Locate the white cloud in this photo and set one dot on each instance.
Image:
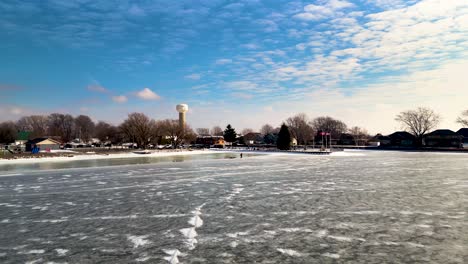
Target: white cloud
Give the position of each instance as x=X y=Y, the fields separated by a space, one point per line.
x=193 y=76
x=147 y=94
x=245 y=96
x=250 y=46
x=120 y=98
x=223 y=61
x=268 y=25
x=317 y=12
x=301 y=46
x=97 y=88
x=241 y=85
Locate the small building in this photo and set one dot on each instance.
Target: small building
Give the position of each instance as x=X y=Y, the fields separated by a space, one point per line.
x=43 y=144
x=443 y=138
x=380 y=140
x=402 y=139
x=209 y=141
x=253 y=138
x=464 y=133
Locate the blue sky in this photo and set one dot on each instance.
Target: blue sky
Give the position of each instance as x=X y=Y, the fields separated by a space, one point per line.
x=244 y=62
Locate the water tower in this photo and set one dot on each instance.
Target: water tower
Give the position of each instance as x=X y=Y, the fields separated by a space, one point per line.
x=182 y=109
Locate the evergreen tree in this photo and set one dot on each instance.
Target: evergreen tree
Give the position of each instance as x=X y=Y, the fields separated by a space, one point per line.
x=284 y=138
x=230 y=134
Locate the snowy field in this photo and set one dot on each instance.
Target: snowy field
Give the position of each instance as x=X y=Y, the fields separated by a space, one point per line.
x=357 y=207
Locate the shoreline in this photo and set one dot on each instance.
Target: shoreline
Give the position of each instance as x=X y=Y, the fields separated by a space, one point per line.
x=77 y=156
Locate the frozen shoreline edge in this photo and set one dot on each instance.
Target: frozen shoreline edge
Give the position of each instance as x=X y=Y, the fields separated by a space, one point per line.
x=109 y=156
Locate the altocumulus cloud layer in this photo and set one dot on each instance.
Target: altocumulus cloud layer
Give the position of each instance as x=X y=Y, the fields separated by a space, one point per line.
x=363 y=61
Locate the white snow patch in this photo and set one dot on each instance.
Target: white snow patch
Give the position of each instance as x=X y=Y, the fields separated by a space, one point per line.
x=331 y=255
x=142 y=259
x=138 y=240
x=190 y=234
x=233 y=244
x=341 y=238
x=196 y=221
x=61 y=252
x=290 y=252
x=42 y=208
x=322 y=233
x=173 y=256
x=347 y=154
x=415 y=245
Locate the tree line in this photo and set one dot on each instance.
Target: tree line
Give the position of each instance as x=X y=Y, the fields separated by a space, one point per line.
x=140 y=129
x=136 y=128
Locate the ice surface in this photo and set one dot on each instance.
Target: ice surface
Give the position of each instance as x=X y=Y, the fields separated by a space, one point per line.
x=290 y=252
x=138 y=241
x=373 y=208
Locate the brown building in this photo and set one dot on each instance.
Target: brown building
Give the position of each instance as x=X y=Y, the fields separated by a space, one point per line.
x=210 y=141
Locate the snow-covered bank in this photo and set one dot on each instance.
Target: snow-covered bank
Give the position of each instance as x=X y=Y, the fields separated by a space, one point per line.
x=108 y=156
x=301 y=153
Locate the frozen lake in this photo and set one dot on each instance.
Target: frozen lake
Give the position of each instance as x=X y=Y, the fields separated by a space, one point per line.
x=362 y=207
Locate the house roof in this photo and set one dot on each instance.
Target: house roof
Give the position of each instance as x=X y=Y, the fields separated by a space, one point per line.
x=380 y=137
x=39 y=140
x=442 y=132
x=401 y=135
x=253 y=136
x=463 y=132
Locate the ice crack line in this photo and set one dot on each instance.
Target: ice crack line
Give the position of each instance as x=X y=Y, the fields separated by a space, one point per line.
x=189 y=233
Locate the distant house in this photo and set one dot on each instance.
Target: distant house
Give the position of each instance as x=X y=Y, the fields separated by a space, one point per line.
x=208 y=141
x=253 y=138
x=445 y=138
x=402 y=139
x=464 y=133
x=346 y=139
x=380 y=140
x=43 y=144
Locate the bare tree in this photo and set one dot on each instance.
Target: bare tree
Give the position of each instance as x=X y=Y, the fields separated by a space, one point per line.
x=138 y=128
x=170 y=128
x=61 y=125
x=106 y=132
x=359 y=134
x=300 y=129
x=84 y=127
x=203 y=131
x=246 y=131
x=8 y=132
x=330 y=125
x=267 y=129
x=463 y=119
x=217 y=131
x=418 y=122
x=37 y=125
